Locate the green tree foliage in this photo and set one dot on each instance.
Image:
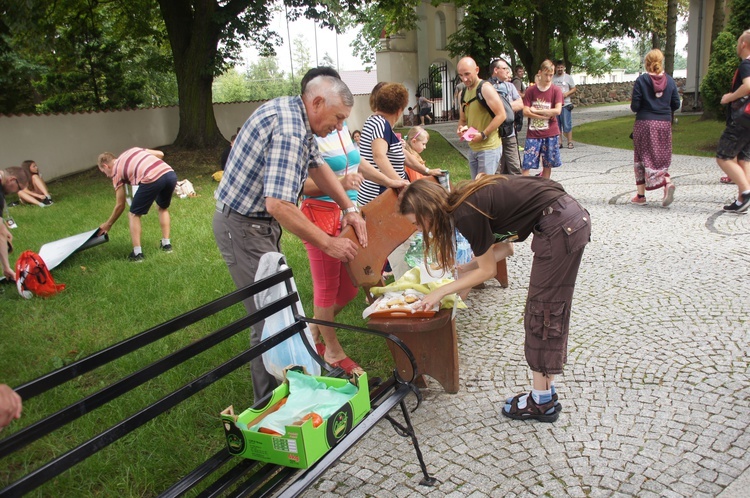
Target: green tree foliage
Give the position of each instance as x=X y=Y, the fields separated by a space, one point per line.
x=230 y=86
x=206 y=36
x=81 y=55
x=739 y=19
x=721 y=68
x=523 y=28
x=723 y=61
x=267 y=81
x=15 y=74
x=263 y=80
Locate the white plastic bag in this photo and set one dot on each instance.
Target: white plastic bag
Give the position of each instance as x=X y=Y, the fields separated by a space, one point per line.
x=184 y=188
x=293 y=350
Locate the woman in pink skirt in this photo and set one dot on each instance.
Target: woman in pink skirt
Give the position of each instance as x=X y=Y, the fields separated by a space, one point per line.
x=655 y=98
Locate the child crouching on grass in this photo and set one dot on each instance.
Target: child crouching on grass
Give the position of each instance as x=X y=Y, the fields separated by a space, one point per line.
x=415 y=143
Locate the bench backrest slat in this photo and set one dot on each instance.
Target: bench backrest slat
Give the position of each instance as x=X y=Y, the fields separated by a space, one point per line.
x=106 y=355
x=62 y=463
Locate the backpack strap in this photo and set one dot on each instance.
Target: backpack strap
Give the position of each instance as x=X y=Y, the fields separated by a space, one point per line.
x=478 y=97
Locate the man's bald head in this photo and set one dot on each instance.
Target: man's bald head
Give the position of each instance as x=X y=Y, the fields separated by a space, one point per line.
x=468 y=71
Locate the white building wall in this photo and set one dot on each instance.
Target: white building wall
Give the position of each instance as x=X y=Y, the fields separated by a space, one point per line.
x=64 y=144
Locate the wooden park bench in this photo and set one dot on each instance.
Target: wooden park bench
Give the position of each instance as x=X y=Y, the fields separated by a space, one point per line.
x=221 y=474
x=432 y=340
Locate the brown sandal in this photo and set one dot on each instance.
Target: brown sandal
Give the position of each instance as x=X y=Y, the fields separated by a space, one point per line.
x=532 y=411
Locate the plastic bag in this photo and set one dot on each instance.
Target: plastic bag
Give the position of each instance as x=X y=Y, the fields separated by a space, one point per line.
x=292 y=351
x=306 y=395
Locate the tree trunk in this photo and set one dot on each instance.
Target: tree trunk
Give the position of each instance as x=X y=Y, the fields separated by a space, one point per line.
x=671 y=36
x=194 y=37
x=540 y=45
x=717 y=26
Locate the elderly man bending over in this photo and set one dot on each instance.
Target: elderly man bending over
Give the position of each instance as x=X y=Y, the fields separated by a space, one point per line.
x=273 y=154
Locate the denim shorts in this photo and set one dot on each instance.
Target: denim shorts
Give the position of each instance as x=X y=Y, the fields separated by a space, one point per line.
x=484 y=161
x=565 y=120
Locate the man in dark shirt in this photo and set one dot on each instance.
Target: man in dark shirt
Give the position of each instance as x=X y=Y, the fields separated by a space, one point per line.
x=733 y=151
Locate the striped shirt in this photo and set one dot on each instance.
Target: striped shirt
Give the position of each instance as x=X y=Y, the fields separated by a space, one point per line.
x=136 y=166
x=270 y=158
x=342 y=156
x=377 y=127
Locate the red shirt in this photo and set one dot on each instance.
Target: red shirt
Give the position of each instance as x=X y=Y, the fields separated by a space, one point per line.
x=548 y=99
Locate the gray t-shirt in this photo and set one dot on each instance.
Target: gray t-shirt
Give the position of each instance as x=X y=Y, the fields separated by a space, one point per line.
x=565 y=82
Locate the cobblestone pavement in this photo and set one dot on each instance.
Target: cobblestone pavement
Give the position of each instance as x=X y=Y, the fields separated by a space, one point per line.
x=656 y=392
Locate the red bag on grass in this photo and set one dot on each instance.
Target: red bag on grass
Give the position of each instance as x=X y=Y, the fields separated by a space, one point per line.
x=33 y=277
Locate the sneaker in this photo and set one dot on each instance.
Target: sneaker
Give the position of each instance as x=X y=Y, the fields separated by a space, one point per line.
x=638 y=201
x=47 y=201
x=136 y=258
x=739 y=208
x=165 y=248
x=14 y=204
x=668 y=194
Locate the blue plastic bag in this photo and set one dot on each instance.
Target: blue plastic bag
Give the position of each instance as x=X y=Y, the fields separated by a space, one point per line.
x=292 y=351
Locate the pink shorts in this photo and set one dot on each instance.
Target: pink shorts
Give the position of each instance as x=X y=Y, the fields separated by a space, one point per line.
x=331 y=282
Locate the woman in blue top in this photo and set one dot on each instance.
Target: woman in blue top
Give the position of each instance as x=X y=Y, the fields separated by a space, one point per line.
x=332 y=287
x=655 y=98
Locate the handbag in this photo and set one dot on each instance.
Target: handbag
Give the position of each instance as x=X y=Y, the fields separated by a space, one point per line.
x=740 y=108
x=325 y=215
x=741 y=111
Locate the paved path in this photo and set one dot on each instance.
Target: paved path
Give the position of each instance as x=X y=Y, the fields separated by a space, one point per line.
x=656 y=392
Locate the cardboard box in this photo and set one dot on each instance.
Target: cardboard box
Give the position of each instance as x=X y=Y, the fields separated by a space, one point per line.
x=303 y=444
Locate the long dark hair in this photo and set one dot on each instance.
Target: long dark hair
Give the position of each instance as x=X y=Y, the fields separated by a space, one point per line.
x=26 y=165
x=433 y=207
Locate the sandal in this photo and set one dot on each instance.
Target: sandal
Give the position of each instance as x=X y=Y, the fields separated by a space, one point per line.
x=347 y=365
x=555 y=398
x=320 y=347
x=570 y=145
x=543 y=413
x=726 y=180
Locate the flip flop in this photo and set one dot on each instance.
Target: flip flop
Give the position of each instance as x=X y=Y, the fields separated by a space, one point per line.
x=347 y=365
x=725 y=180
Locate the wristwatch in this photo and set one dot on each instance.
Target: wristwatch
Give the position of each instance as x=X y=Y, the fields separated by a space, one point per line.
x=484 y=136
x=353 y=209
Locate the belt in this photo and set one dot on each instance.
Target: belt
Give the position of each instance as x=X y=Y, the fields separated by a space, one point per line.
x=223 y=208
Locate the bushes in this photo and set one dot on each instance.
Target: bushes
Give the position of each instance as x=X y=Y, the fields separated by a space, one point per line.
x=721 y=68
x=724 y=61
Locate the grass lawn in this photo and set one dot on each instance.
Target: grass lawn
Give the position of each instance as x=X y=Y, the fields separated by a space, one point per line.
x=108 y=299
x=690 y=136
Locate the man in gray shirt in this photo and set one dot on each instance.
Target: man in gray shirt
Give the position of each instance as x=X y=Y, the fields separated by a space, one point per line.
x=565 y=119
x=510 y=160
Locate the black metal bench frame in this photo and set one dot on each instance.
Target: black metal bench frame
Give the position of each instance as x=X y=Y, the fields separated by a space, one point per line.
x=227 y=475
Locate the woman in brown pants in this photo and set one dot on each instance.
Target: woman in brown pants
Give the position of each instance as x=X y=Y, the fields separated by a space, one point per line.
x=491 y=211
